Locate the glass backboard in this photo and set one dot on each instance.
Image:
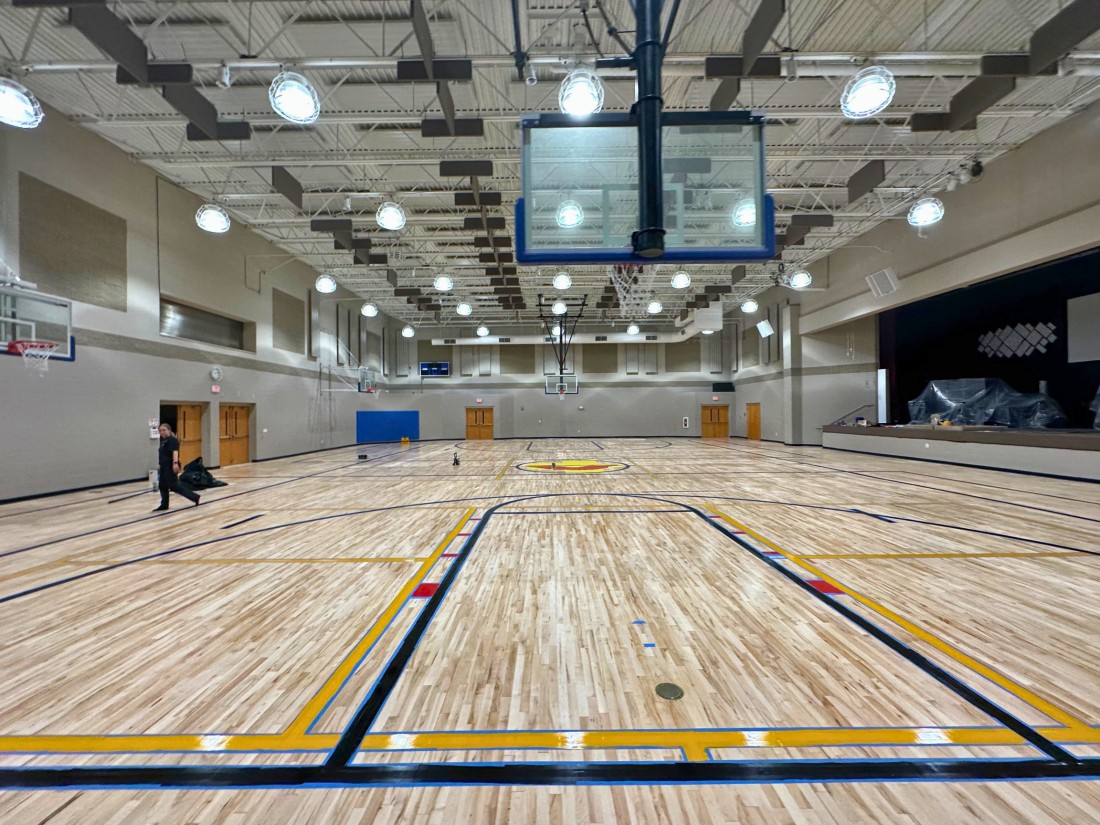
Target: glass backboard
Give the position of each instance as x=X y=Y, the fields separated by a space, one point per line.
x=579 y=199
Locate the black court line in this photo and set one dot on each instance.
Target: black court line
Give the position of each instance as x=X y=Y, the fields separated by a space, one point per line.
x=868 y=474
x=244 y=521
x=372 y=706
x=585 y=512
x=948 y=680
x=562 y=773
x=336 y=770
x=873 y=515
x=599 y=446
x=348 y=744
x=999 y=486
x=187 y=509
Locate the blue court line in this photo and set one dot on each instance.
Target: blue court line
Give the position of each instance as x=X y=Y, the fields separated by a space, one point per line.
x=367 y=652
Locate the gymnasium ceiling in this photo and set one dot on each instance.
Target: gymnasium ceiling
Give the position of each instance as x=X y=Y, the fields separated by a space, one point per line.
x=368 y=144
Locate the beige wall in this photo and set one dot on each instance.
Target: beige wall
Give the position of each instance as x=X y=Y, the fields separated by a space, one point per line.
x=1034 y=204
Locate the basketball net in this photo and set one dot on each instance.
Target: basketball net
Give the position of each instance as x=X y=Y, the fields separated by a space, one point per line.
x=36 y=354
x=561 y=393
x=633 y=287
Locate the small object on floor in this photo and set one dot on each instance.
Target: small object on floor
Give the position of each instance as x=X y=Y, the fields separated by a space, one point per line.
x=362 y=456
x=455 y=462
x=667 y=690
x=553 y=465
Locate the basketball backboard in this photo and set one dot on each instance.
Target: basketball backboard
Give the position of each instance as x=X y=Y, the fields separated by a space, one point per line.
x=579 y=199
x=26 y=315
x=569 y=383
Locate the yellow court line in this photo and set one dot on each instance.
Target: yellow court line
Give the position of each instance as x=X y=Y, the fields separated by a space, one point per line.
x=1019 y=691
x=693 y=742
x=26 y=571
x=262 y=560
x=500 y=475
x=329 y=689
x=930 y=555
x=644 y=469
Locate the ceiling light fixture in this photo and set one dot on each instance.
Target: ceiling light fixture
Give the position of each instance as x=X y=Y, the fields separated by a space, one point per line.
x=708 y=332
x=482 y=331
x=464 y=309
x=581 y=93
x=750 y=306
x=681 y=280
x=868 y=92
x=744 y=213
x=654 y=307
x=390 y=216
x=293 y=98
x=562 y=281
x=325 y=284
x=18 y=105
x=559 y=308
x=212 y=218
x=925 y=212
x=407 y=331
x=369 y=309
x=570 y=215
x=556 y=331
x=632 y=329
x=443 y=283
x=800 y=279
x=765 y=329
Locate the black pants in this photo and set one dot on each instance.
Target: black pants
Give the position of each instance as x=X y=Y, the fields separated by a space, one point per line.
x=169 y=481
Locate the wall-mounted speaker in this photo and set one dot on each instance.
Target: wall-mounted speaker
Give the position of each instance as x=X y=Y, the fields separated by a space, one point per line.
x=883 y=282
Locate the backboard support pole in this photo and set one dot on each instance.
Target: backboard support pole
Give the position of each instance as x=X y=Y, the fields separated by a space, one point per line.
x=649 y=239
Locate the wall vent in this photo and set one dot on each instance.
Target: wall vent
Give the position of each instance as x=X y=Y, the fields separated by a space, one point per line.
x=504 y=340
x=651 y=337
x=450 y=340
x=601 y=337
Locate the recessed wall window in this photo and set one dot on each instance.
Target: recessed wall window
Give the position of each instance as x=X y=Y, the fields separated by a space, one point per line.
x=182 y=321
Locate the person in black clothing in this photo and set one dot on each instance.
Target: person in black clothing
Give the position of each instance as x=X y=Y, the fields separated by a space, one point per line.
x=169 y=460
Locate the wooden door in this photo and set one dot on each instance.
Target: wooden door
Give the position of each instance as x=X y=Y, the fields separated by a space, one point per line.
x=715 y=420
x=234 y=432
x=479 y=423
x=189 y=431
x=752 y=412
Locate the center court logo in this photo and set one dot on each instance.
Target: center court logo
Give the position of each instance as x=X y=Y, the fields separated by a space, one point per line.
x=573 y=466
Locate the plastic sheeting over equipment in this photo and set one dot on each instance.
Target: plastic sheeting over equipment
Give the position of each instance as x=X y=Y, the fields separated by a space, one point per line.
x=975 y=401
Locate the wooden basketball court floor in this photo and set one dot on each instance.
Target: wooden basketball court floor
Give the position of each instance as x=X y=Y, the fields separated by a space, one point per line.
x=857 y=639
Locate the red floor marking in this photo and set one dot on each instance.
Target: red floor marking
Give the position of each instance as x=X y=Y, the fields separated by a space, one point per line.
x=463 y=534
x=426 y=590
x=824 y=587
x=450 y=555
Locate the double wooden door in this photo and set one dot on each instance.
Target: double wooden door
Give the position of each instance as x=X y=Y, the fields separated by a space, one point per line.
x=479 y=423
x=189 y=431
x=233 y=431
x=715 y=419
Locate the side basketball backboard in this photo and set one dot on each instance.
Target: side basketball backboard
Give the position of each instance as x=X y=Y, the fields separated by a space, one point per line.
x=557 y=384
x=26 y=316
x=579 y=199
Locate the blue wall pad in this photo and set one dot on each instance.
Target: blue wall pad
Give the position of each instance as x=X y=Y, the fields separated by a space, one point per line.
x=386 y=425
